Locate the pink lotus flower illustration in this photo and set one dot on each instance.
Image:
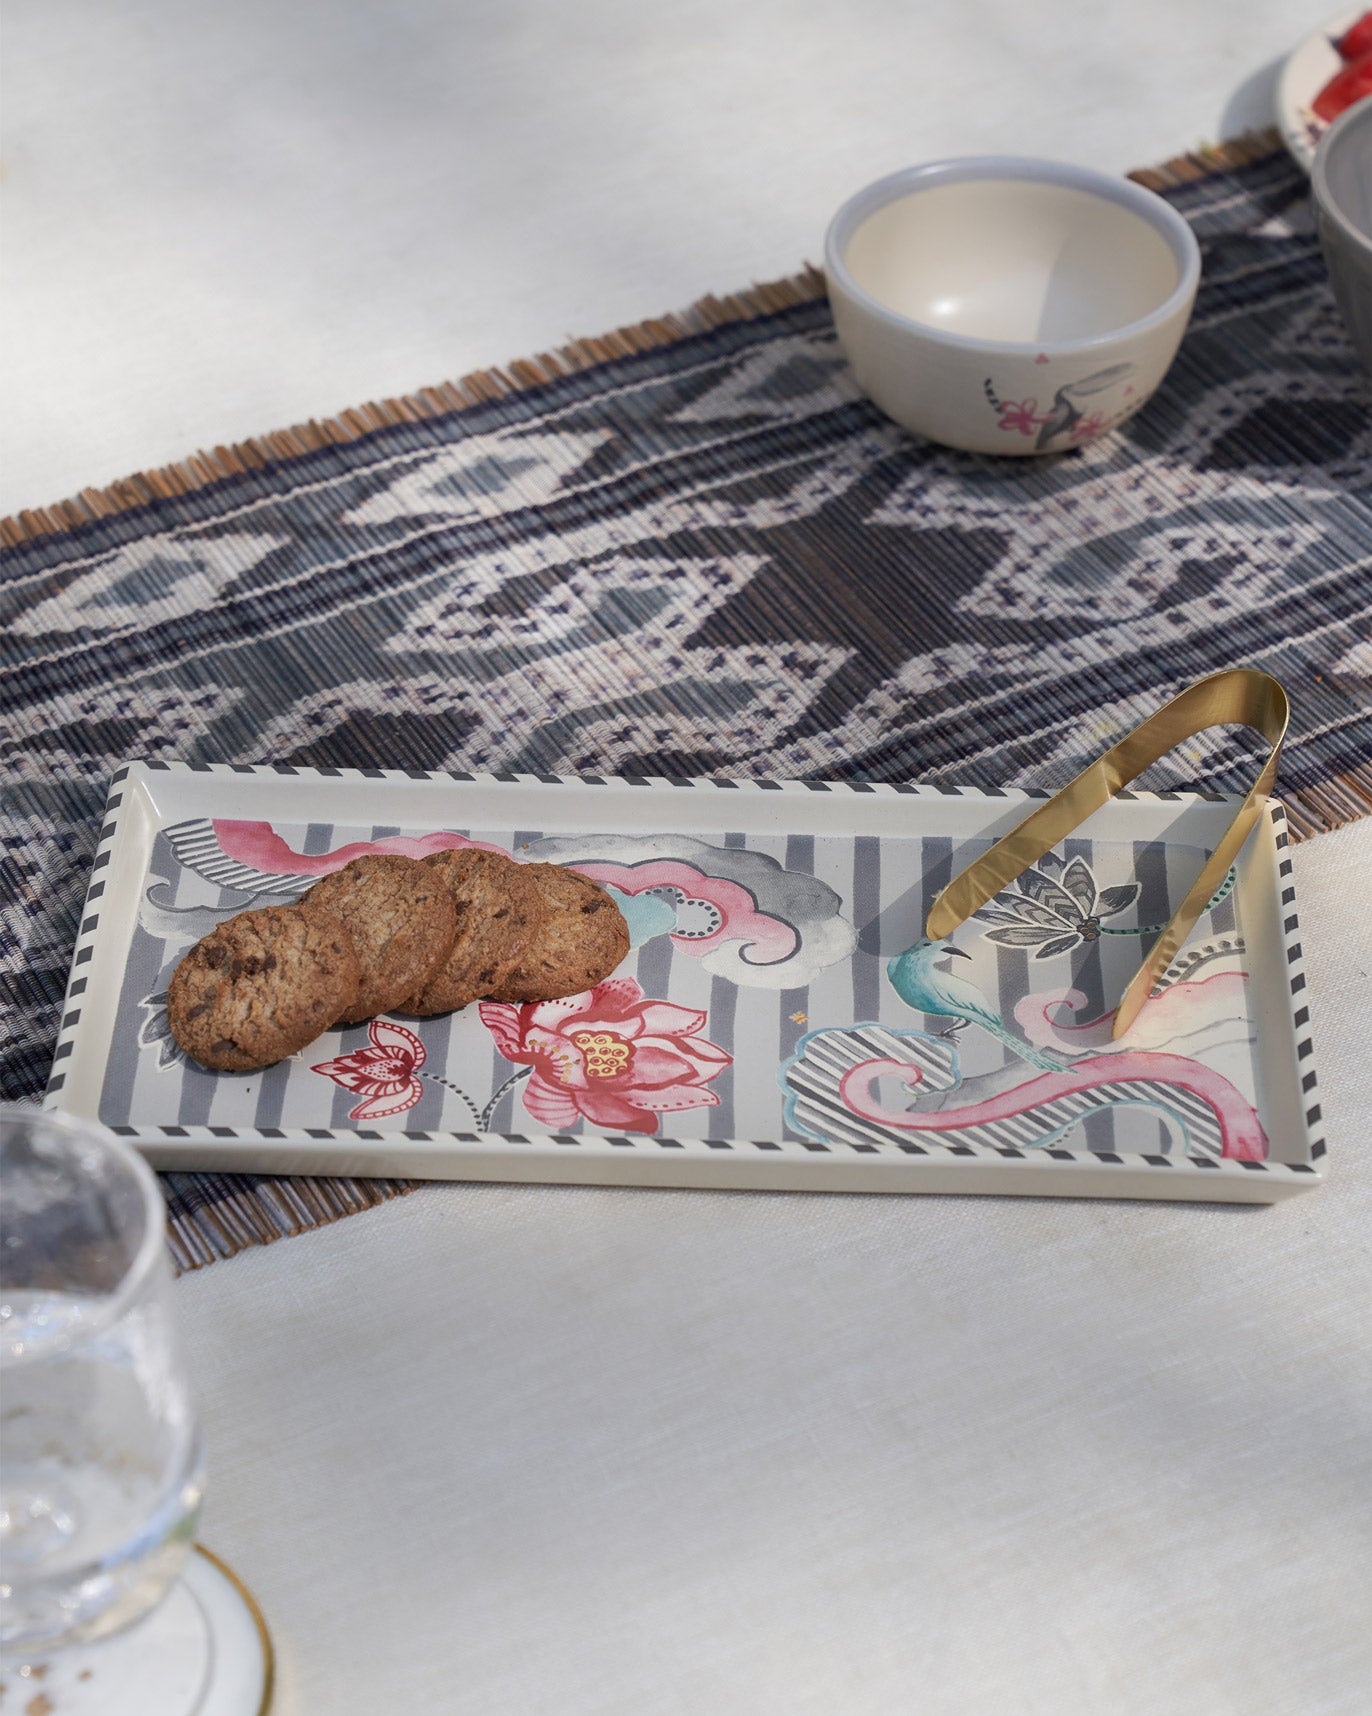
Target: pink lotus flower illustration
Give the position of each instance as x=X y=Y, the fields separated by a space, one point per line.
x=609 y=1055
x=384 y=1074
x=387 y=1075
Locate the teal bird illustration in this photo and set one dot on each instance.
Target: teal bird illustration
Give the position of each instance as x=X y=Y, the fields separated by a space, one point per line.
x=916 y=978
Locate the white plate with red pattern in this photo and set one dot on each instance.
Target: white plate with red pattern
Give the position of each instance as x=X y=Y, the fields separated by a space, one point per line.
x=1304 y=74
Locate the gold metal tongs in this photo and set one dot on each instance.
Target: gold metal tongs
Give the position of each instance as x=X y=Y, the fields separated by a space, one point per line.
x=1242 y=695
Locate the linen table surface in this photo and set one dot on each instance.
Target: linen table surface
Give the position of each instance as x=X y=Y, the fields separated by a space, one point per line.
x=494 y=1448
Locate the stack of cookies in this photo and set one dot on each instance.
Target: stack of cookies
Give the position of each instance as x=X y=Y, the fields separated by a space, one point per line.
x=389 y=934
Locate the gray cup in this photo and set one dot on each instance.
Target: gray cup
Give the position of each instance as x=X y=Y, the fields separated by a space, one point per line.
x=1342 y=183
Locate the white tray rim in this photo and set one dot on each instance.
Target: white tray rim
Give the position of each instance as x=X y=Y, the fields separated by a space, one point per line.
x=647 y=1159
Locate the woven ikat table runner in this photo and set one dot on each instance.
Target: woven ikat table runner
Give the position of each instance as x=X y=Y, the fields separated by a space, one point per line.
x=694 y=548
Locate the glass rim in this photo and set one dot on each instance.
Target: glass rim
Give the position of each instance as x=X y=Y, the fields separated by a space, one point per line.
x=111 y=1306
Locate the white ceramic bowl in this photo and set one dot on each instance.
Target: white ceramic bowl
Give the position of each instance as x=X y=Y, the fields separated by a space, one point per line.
x=1342 y=183
x=1005 y=305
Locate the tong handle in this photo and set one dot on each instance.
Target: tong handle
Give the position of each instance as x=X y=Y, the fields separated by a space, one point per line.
x=1240 y=694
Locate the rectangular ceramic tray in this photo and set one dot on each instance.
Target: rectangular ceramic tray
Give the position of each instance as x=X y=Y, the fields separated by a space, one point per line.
x=778 y=1022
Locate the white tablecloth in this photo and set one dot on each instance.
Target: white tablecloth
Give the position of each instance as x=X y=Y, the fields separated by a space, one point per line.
x=222 y=219
x=532 y=1450
x=494 y=1449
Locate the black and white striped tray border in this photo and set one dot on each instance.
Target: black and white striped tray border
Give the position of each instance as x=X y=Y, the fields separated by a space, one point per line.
x=84 y=950
x=90 y=921
x=1295 y=977
x=667 y=783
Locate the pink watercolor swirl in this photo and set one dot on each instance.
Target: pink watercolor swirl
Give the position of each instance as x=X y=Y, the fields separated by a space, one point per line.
x=1240 y=1129
x=258 y=845
x=767 y=938
x=609 y=1055
x=1179 y=1011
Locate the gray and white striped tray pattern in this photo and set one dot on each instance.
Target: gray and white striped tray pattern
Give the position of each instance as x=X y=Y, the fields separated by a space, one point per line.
x=167 y=1104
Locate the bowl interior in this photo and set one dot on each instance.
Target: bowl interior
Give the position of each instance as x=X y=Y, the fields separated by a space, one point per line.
x=1012 y=259
x=1348 y=170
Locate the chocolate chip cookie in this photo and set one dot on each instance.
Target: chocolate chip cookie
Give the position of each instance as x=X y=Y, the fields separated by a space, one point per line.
x=261 y=986
x=499 y=910
x=581 y=940
x=401 y=919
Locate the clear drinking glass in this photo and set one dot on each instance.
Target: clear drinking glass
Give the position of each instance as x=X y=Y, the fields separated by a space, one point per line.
x=101 y=1468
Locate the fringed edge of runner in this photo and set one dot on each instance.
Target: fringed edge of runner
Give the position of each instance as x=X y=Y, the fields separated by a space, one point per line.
x=1211 y=158
x=1318 y=809
x=481 y=386
x=269 y=1209
x=201 y=469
